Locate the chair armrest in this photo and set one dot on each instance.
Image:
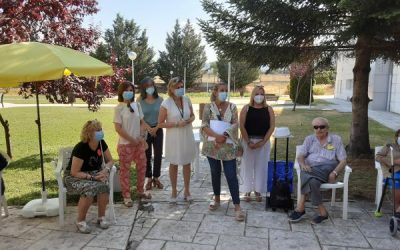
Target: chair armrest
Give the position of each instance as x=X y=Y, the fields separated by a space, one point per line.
x=111 y=177
x=347 y=173
x=378 y=166
x=348 y=169
x=58 y=166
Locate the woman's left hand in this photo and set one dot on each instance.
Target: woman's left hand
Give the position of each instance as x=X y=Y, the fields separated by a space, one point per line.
x=102 y=175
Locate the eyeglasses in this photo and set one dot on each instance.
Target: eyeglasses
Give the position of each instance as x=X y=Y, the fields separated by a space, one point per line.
x=319 y=127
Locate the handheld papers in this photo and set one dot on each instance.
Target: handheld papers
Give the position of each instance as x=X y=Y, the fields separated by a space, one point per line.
x=219 y=127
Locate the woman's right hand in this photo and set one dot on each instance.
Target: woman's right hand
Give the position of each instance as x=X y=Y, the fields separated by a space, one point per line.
x=101 y=176
x=220 y=139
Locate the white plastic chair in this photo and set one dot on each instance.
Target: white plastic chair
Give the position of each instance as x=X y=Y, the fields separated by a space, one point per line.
x=3 y=201
x=60 y=166
x=333 y=186
x=379 y=179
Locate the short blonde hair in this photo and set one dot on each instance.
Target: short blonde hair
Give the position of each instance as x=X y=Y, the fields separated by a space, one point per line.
x=253 y=94
x=214 y=91
x=88 y=129
x=172 y=84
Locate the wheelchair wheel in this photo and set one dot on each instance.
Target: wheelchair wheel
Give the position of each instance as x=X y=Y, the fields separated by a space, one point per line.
x=393 y=224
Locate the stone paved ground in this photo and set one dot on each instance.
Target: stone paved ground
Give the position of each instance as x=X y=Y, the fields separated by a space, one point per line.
x=192 y=226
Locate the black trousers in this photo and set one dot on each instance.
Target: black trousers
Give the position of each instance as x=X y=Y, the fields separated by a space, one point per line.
x=3 y=187
x=156 y=145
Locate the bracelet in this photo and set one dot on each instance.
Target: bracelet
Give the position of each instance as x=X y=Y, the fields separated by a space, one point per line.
x=91 y=178
x=108 y=169
x=334 y=171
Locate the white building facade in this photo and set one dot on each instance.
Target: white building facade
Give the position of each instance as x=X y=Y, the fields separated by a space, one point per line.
x=383 y=87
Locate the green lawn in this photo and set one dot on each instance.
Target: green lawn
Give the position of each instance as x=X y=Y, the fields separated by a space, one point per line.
x=61 y=127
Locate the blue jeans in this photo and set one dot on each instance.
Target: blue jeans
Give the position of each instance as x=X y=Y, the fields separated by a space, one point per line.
x=230 y=174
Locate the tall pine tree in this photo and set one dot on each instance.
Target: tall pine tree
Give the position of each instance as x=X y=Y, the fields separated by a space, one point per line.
x=277 y=33
x=125 y=36
x=183 y=49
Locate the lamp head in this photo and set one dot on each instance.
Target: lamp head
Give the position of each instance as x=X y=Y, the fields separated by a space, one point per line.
x=132 y=55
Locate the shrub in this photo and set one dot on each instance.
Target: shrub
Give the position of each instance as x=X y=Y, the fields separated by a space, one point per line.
x=319 y=89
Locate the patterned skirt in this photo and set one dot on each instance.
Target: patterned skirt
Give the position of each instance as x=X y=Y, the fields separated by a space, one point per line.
x=85 y=188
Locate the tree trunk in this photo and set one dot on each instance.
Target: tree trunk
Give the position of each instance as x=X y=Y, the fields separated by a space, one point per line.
x=359 y=137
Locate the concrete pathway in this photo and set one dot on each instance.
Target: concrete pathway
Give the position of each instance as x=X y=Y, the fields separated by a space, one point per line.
x=193 y=226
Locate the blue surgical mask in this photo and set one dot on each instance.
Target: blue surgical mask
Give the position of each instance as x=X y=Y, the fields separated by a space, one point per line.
x=259 y=99
x=127 y=95
x=99 y=135
x=179 y=92
x=222 y=96
x=150 y=90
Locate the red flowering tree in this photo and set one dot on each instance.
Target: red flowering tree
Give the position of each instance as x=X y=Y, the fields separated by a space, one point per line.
x=55 y=22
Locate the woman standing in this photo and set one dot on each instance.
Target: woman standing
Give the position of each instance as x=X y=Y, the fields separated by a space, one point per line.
x=151 y=103
x=221 y=146
x=85 y=174
x=128 y=119
x=176 y=115
x=257 y=123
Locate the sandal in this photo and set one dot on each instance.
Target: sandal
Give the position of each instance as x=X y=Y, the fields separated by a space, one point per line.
x=214 y=205
x=239 y=215
x=83 y=227
x=258 y=196
x=146 y=196
x=247 y=197
x=149 y=184
x=128 y=202
x=157 y=184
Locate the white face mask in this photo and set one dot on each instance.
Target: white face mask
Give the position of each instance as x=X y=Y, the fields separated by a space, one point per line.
x=398 y=140
x=259 y=99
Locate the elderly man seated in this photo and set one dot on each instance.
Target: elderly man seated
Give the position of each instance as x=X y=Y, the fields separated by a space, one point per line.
x=321 y=158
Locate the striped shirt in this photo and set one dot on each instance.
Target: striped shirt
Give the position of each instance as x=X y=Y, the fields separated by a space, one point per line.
x=315 y=153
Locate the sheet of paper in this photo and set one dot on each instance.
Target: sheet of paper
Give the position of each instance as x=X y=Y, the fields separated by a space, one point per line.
x=219 y=127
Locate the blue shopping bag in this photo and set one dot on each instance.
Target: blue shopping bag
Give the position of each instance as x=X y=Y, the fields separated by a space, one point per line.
x=280 y=173
x=396 y=180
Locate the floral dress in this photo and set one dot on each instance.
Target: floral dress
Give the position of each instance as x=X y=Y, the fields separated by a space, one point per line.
x=225 y=151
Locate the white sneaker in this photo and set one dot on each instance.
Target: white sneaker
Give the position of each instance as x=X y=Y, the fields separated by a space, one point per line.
x=83 y=227
x=103 y=223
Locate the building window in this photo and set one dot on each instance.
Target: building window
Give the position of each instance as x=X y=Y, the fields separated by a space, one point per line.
x=349 y=84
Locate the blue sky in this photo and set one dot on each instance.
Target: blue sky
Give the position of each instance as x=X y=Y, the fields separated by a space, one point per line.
x=156 y=16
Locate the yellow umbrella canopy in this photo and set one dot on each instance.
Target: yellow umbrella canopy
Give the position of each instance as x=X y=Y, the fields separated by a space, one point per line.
x=33 y=61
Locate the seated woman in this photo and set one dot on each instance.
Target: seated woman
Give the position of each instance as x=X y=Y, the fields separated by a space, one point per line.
x=86 y=174
x=384 y=157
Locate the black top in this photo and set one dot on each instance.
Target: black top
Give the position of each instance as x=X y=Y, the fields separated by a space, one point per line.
x=92 y=160
x=257 y=121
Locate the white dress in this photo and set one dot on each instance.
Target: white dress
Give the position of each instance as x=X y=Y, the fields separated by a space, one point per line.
x=180 y=148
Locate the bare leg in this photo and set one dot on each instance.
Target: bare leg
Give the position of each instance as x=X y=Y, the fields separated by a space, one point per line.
x=301 y=206
x=186 y=178
x=217 y=198
x=102 y=201
x=322 y=210
x=173 y=176
x=83 y=206
x=397 y=197
x=237 y=207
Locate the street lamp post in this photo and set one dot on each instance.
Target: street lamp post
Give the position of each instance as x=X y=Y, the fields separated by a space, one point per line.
x=132 y=55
